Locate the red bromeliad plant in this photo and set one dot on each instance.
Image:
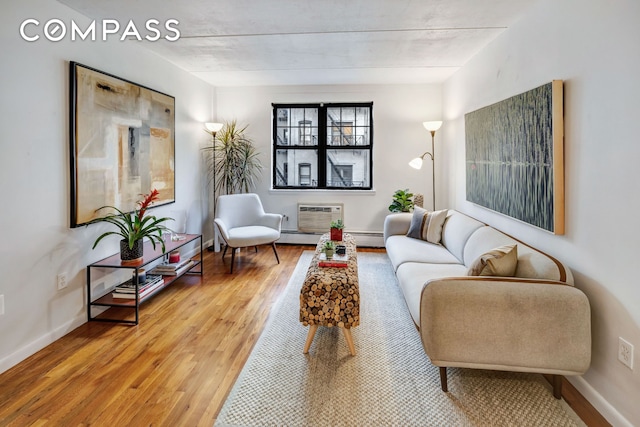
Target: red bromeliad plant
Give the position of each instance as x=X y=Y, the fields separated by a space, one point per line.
x=135 y=225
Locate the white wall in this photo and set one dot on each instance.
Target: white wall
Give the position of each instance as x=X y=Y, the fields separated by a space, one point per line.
x=398 y=113
x=34 y=170
x=593 y=47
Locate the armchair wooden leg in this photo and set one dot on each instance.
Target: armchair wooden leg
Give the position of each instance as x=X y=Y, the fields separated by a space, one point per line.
x=443 y=379
x=225 y=250
x=273 y=245
x=233 y=258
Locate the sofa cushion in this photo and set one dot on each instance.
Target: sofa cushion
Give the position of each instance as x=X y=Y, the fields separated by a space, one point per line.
x=427 y=225
x=401 y=249
x=456 y=231
x=412 y=276
x=501 y=261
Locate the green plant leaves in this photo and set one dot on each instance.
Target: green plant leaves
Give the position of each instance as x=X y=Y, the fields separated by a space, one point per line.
x=402 y=201
x=234 y=166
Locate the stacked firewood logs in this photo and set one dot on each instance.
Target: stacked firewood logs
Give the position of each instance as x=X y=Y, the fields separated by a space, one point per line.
x=330 y=295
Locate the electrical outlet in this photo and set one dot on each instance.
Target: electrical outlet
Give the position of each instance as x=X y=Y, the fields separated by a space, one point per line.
x=62 y=281
x=625 y=352
x=1 y=305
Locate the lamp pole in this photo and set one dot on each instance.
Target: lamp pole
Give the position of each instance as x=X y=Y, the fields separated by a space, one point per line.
x=213 y=135
x=416 y=163
x=433 y=168
x=213 y=128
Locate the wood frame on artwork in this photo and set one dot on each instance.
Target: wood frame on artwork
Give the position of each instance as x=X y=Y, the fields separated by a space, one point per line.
x=515 y=157
x=122 y=143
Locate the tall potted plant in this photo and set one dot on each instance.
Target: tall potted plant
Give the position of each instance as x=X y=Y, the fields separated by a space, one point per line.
x=236 y=167
x=133 y=227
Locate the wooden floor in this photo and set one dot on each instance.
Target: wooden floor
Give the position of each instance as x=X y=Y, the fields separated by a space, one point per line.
x=176 y=367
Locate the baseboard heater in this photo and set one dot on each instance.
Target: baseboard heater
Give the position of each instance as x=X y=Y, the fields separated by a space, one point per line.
x=363 y=238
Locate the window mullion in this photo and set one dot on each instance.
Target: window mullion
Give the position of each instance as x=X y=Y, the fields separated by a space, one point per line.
x=322 y=146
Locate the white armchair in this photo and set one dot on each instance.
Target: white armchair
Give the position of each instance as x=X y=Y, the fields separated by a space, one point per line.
x=242 y=222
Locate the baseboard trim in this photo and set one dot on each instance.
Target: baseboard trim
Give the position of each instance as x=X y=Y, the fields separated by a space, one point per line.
x=49 y=337
x=35 y=346
x=596 y=400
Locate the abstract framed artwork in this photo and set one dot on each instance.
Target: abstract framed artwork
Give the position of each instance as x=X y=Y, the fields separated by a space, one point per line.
x=515 y=157
x=122 y=143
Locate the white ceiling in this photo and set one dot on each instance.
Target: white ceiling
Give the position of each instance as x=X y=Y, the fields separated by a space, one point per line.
x=285 y=42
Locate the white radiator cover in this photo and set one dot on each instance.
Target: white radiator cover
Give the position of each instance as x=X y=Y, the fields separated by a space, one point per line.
x=317 y=217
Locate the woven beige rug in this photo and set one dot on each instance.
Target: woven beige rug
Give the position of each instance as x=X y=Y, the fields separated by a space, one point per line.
x=389 y=382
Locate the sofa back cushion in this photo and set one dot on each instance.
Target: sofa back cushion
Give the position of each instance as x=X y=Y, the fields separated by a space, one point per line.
x=531 y=262
x=455 y=232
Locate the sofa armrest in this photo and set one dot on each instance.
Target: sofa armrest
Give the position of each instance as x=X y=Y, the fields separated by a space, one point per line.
x=510 y=324
x=396 y=223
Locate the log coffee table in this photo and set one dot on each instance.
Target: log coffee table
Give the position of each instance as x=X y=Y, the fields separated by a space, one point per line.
x=330 y=295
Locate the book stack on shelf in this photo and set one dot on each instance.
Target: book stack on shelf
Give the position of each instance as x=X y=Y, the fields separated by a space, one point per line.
x=338 y=261
x=173 y=268
x=127 y=290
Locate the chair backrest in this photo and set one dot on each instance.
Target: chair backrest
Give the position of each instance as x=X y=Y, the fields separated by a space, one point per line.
x=237 y=210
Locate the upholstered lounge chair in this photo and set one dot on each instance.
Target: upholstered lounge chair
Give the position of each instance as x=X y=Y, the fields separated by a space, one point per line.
x=243 y=222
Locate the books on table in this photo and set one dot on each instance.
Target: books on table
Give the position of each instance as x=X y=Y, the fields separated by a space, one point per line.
x=339 y=261
x=128 y=289
x=173 y=269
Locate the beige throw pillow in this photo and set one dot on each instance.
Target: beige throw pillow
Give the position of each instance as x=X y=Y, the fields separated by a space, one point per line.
x=501 y=261
x=427 y=225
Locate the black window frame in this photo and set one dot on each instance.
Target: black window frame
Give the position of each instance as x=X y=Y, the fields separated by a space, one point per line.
x=322 y=145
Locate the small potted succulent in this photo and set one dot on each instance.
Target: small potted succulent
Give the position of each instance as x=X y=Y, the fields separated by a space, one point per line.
x=336 y=230
x=328 y=248
x=133 y=227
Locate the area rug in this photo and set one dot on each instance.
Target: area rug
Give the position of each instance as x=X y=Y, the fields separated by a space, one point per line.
x=389 y=382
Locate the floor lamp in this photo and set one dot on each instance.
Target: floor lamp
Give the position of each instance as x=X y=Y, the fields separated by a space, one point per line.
x=213 y=128
x=416 y=163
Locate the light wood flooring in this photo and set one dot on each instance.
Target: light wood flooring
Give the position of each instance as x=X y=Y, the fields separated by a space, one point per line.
x=177 y=366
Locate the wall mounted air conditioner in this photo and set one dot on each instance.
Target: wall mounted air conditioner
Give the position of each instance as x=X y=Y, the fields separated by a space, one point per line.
x=317 y=217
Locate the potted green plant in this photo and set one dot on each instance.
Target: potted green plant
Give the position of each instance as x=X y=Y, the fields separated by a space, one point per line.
x=234 y=166
x=133 y=227
x=336 y=230
x=401 y=201
x=328 y=248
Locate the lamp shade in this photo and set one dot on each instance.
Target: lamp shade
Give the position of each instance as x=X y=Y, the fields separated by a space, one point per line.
x=213 y=127
x=416 y=163
x=433 y=125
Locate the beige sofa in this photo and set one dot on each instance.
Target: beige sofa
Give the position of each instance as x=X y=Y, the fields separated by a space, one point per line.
x=534 y=322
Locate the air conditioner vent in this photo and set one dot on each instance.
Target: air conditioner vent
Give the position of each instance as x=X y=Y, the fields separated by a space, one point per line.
x=317 y=217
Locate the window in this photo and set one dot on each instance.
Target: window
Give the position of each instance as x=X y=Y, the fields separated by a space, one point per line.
x=327 y=146
x=304 y=171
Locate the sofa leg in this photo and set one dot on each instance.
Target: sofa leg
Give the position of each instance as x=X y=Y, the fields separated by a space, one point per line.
x=443 y=379
x=556 y=380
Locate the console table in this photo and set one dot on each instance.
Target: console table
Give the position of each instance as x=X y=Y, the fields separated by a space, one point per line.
x=150 y=255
